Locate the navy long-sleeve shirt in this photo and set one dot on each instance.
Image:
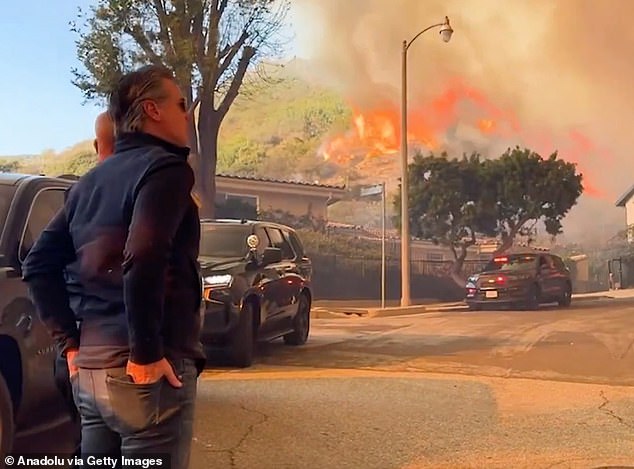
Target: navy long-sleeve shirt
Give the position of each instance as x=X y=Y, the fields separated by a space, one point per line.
x=121 y=259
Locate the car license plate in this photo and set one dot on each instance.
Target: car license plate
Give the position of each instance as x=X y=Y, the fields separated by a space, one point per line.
x=491 y=294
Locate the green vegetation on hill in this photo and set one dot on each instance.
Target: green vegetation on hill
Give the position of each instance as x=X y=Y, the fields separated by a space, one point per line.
x=277 y=132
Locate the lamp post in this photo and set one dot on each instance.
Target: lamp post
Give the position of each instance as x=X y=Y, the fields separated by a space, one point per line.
x=445 y=34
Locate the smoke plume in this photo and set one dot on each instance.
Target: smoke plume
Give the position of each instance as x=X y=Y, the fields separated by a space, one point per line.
x=559 y=69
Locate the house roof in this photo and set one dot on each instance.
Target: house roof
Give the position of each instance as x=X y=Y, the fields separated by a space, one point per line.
x=625 y=197
x=280 y=181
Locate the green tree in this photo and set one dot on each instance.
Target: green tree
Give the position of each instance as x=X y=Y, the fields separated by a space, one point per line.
x=209 y=44
x=453 y=201
x=528 y=189
x=449 y=204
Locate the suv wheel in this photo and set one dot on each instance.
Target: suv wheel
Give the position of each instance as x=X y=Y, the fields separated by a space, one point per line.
x=301 y=323
x=242 y=339
x=6 y=419
x=532 y=299
x=566 y=298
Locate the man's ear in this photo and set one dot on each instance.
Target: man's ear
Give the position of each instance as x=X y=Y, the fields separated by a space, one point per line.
x=151 y=109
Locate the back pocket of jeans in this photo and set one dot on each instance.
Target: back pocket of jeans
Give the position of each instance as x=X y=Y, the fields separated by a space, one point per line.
x=135 y=407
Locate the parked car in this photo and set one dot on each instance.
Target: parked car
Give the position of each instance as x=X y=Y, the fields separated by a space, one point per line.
x=257 y=286
x=31 y=405
x=525 y=279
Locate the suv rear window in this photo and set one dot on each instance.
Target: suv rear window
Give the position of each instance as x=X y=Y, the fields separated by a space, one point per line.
x=279 y=241
x=512 y=262
x=224 y=240
x=296 y=243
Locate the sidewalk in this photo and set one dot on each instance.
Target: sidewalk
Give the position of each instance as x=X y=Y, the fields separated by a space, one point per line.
x=614 y=294
x=329 y=309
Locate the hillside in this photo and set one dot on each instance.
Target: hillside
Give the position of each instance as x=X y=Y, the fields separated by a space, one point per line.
x=276 y=129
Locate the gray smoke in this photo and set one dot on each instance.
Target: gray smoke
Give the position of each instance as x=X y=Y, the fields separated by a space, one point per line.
x=562 y=68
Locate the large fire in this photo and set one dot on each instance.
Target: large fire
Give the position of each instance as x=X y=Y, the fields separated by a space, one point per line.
x=375 y=132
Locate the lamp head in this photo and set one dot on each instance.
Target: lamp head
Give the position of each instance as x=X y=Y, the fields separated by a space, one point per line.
x=445 y=30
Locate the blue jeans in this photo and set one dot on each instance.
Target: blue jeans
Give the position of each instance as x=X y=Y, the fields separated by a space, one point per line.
x=120 y=418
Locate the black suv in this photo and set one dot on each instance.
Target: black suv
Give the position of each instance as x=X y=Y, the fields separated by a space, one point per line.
x=257 y=286
x=526 y=279
x=31 y=404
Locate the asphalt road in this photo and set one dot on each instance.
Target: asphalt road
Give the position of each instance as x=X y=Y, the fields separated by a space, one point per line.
x=504 y=389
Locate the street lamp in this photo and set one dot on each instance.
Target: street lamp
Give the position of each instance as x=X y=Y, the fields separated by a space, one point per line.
x=445 y=34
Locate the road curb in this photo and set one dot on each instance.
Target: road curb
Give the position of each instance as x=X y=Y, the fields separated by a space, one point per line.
x=343 y=313
x=397 y=311
x=323 y=314
x=593 y=297
x=394 y=311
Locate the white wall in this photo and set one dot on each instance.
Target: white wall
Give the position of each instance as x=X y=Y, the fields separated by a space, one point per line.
x=629 y=219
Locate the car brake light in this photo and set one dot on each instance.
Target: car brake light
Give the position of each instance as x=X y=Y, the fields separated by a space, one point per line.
x=500 y=280
x=501 y=259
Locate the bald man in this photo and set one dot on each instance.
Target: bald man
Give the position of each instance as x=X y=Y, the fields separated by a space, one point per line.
x=104 y=136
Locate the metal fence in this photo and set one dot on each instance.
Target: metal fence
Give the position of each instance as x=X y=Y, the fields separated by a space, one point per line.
x=341 y=277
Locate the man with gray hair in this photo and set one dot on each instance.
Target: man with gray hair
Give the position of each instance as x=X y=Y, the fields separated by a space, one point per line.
x=129 y=233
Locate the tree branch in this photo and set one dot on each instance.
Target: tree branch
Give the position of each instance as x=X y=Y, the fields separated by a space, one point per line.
x=231 y=53
x=198 y=37
x=195 y=103
x=520 y=223
x=247 y=54
x=222 y=6
x=508 y=238
x=163 y=33
x=453 y=251
x=141 y=39
x=208 y=70
x=463 y=251
x=472 y=241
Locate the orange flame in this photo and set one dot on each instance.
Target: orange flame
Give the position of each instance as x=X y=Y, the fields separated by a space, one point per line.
x=376 y=131
x=486 y=126
x=373 y=133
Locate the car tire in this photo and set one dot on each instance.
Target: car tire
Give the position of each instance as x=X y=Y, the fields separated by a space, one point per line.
x=6 y=419
x=566 y=299
x=301 y=323
x=242 y=344
x=532 y=298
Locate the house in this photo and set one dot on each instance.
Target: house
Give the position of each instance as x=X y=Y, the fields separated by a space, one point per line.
x=296 y=198
x=627 y=201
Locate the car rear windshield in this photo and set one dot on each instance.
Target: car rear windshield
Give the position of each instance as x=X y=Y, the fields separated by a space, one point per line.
x=514 y=262
x=224 y=241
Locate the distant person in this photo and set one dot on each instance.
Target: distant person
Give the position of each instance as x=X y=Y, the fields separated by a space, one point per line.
x=104 y=146
x=104 y=136
x=129 y=233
